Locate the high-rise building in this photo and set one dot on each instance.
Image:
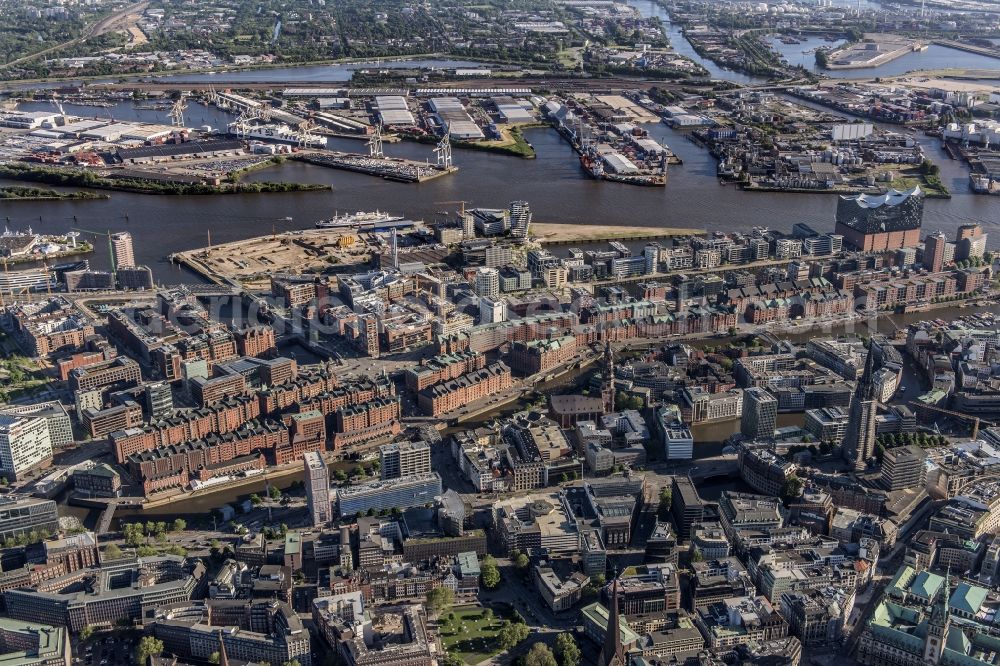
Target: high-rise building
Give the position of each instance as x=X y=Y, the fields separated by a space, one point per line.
x=488 y=282
x=873 y=223
x=121 y=244
x=903 y=467
x=651 y=257
x=25 y=443
x=159 y=400
x=686 y=506
x=934 y=251
x=317 y=488
x=970 y=242
x=520 y=218
x=860 y=442
x=468 y=226
x=60 y=426
x=967 y=231
x=492 y=310
x=405 y=459
x=760 y=414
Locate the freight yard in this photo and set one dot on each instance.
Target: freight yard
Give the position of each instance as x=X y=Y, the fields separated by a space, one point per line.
x=763 y=140
x=606 y=132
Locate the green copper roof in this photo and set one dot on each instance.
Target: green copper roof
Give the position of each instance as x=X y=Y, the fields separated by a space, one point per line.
x=598 y=614
x=926 y=585
x=967 y=598
x=901 y=581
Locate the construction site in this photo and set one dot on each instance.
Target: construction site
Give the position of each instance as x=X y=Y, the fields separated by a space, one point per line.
x=249 y=264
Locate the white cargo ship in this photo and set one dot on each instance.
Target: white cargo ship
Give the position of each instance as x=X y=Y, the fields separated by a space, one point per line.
x=358 y=219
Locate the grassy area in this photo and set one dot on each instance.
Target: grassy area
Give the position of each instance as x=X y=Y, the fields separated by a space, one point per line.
x=570 y=58
x=470 y=636
x=20 y=193
x=82 y=178
x=20 y=376
x=239 y=174
x=513 y=143
x=931 y=184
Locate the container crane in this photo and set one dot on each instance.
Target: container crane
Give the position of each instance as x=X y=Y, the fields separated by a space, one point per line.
x=176 y=114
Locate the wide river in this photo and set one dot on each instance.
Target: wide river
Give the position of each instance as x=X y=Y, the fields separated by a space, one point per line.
x=554 y=184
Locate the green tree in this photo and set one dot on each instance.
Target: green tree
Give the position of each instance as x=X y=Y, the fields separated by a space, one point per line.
x=792 y=488
x=666 y=501
x=275 y=493
x=512 y=633
x=567 y=650
x=489 y=573
x=134 y=534
x=440 y=598
x=112 y=552
x=521 y=561
x=255 y=499
x=179 y=525
x=293 y=662
x=147 y=647
x=540 y=655
x=214 y=657
x=86 y=632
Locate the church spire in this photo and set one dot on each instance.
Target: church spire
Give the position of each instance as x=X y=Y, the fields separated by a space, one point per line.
x=223 y=657
x=613 y=652
x=608 y=388
x=866 y=385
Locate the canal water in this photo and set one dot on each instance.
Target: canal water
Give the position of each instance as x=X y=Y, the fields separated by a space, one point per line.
x=935 y=57
x=652 y=8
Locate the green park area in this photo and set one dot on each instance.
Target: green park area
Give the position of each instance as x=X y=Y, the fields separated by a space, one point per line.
x=19 y=376
x=472 y=633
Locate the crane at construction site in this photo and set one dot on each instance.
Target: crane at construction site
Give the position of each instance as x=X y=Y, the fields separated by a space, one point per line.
x=111 y=249
x=974 y=420
x=451 y=203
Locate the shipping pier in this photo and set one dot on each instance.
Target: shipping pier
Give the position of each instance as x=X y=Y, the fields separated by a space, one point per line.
x=375 y=163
